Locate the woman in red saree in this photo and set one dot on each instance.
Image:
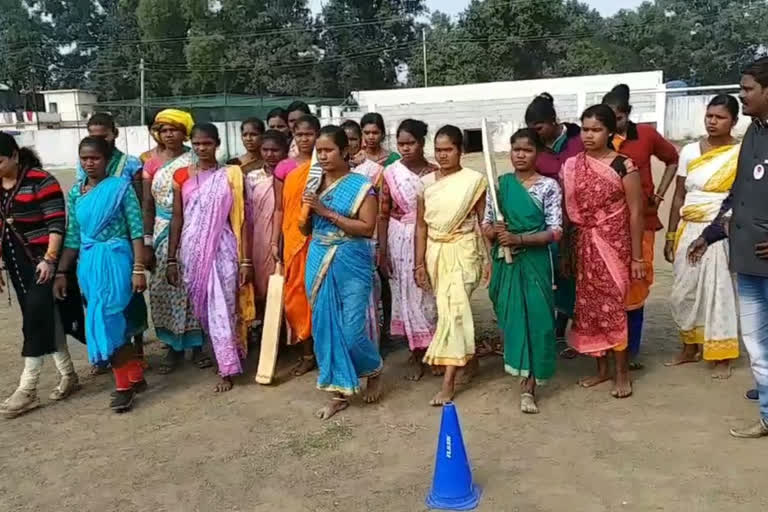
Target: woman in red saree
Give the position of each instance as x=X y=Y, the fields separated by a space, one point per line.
x=604 y=201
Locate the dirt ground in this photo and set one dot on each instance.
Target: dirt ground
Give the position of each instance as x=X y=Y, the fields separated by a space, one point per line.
x=183 y=448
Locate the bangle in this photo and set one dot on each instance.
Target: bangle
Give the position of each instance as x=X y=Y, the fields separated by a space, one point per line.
x=149 y=240
x=173 y=263
x=138 y=273
x=671 y=236
x=659 y=197
x=62 y=274
x=638 y=260
x=418 y=267
x=521 y=240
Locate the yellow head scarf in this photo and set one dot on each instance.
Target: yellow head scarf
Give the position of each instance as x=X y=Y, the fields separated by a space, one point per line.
x=176 y=118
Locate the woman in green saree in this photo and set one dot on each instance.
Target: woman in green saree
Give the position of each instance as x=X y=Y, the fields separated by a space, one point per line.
x=522 y=291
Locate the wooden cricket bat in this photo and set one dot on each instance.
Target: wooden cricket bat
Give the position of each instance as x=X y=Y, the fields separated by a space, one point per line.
x=270 y=333
x=314 y=180
x=493 y=181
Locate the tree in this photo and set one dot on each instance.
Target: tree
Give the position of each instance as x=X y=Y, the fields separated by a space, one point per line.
x=163 y=27
x=26 y=54
x=700 y=41
x=365 y=42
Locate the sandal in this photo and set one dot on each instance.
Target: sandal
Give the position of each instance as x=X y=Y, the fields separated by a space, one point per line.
x=203 y=361
x=569 y=353
x=170 y=362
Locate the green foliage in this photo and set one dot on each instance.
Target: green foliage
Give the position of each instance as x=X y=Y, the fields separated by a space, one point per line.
x=277 y=47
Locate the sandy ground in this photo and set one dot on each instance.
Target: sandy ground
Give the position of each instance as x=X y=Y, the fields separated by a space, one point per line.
x=257 y=448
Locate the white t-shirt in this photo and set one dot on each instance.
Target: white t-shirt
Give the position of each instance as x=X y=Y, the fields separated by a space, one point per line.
x=688 y=154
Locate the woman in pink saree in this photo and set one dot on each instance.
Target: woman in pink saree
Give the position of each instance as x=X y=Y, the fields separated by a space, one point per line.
x=208 y=221
x=604 y=201
x=414 y=313
x=259 y=213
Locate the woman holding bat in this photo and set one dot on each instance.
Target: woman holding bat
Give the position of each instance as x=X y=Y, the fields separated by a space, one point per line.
x=450 y=255
x=522 y=291
x=291 y=178
x=339 y=274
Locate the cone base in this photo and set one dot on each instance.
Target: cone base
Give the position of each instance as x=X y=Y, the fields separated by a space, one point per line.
x=468 y=502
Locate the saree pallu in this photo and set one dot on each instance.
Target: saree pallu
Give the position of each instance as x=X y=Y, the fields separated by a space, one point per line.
x=597 y=206
x=454 y=263
x=414 y=312
x=172 y=316
x=521 y=291
x=704 y=303
x=297 y=312
x=211 y=251
x=374 y=316
x=338 y=281
x=259 y=210
x=104 y=269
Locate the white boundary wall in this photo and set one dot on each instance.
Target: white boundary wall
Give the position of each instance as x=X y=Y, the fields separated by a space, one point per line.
x=679 y=117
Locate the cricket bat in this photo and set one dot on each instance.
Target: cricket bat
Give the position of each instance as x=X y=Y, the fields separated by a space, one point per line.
x=270 y=334
x=314 y=180
x=493 y=181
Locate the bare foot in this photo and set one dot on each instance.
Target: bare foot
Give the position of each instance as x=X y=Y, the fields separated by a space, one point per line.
x=372 y=390
x=588 y=382
x=334 y=406
x=305 y=365
x=622 y=387
x=684 y=357
x=528 y=404
x=722 y=370
x=441 y=398
x=467 y=373
x=415 y=366
x=224 y=385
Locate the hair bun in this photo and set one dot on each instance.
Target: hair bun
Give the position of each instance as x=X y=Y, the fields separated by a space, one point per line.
x=622 y=90
x=546 y=96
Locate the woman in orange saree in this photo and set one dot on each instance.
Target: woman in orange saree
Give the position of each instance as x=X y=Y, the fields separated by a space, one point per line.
x=604 y=201
x=289 y=191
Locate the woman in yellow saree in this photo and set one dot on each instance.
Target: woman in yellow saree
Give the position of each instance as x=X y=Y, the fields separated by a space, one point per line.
x=703 y=299
x=450 y=255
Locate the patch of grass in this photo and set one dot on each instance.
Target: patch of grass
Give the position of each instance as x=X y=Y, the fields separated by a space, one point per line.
x=313 y=443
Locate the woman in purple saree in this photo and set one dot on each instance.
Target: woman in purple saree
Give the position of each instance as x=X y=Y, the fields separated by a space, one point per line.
x=208 y=231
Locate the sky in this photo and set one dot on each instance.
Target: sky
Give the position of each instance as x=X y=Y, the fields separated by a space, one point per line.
x=606 y=7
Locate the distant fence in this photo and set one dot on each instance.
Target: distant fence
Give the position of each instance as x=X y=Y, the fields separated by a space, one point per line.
x=680 y=117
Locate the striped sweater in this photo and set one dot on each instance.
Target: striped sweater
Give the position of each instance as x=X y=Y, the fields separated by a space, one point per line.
x=33 y=209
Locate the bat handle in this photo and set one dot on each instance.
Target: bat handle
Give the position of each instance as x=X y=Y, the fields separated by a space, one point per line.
x=279 y=268
x=507 y=255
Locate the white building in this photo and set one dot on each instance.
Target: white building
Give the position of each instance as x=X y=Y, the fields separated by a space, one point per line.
x=73 y=106
x=504 y=103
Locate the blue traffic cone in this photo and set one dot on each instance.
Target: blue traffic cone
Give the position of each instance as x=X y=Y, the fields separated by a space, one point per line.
x=452 y=487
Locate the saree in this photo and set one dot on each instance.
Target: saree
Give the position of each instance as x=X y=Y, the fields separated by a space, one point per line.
x=522 y=291
x=454 y=263
x=414 y=312
x=597 y=207
x=338 y=280
x=374 y=316
x=297 y=312
x=104 y=268
x=259 y=210
x=172 y=317
x=127 y=167
x=703 y=300
x=211 y=249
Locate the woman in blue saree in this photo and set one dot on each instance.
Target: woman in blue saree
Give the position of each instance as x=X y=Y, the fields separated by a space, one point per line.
x=104 y=234
x=339 y=275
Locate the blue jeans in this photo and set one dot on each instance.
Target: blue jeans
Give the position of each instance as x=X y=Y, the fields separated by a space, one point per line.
x=753 y=316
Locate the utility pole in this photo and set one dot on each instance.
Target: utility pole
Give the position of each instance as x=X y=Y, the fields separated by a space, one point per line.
x=424 y=47
x=143 y=98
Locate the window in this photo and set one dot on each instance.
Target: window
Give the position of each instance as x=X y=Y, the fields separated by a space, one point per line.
x=53 y=107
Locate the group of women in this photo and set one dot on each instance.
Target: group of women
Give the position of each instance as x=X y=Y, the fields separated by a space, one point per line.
x=386 y=244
